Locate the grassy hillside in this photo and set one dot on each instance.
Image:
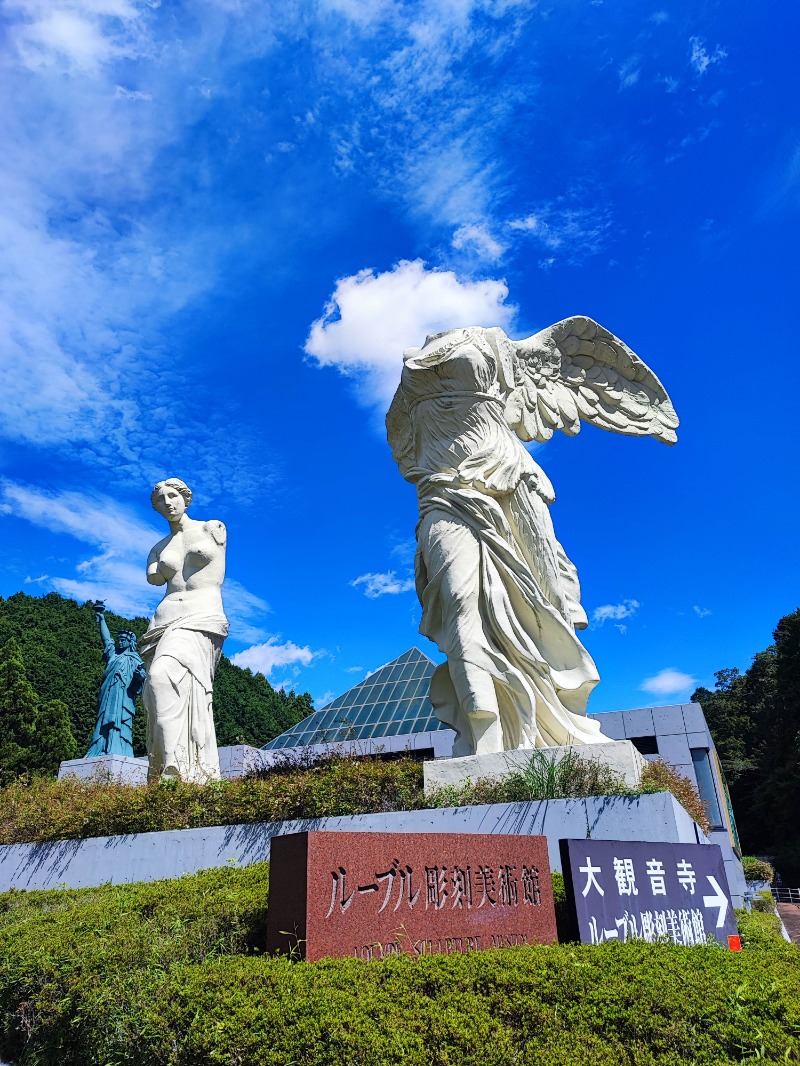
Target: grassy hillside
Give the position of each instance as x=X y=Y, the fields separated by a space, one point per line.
x=63 y=660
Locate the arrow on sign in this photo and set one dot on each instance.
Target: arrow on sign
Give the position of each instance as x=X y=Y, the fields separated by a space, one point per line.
x=719 y=899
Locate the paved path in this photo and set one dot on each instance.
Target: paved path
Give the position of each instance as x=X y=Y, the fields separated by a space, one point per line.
x=790 y=916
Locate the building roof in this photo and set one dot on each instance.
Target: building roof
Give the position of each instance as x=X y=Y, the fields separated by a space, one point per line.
x=392 y=701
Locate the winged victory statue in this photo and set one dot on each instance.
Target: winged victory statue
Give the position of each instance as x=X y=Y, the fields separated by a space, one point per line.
x=500 y=598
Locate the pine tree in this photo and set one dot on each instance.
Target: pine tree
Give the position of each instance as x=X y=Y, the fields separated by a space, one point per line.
x=54 y=739
x=18 y=710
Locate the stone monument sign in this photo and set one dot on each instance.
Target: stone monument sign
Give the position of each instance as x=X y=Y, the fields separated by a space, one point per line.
x=377 y=894
x=500 y=597
x=183 y=643
x=123 y=678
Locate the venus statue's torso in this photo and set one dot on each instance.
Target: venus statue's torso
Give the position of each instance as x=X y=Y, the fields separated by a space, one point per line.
x=192 y=562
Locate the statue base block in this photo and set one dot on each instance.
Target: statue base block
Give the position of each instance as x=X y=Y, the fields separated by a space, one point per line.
x=119 y=767
x=618 y=755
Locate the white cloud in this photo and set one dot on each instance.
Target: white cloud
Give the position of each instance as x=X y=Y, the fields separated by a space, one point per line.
x=264 y=658
x=700 y=58
x=390 y=584
x=668 y=682
x=354 y=669
x=120 y=584
x=372 y=317
x=75 y=36
x=701 y=612
x=615 y=611
x=476 y=238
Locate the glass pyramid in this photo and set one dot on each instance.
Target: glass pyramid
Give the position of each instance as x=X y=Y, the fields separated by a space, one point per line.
x=390 y=702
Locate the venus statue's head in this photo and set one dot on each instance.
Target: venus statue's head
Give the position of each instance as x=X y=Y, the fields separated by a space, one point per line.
x=171 y=498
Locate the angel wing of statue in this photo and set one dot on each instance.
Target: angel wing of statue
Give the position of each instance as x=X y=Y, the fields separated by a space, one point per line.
x=576 y=370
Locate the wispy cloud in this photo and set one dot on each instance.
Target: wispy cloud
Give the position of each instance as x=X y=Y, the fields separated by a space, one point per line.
x=388 y=584
x=630 y=71
x=668 y=682
x=700 y=58
x=102 y=244
x=371 y=317
x=476 y=237
x=116 y=571
x=701 y=612
x=615 y=612
x=567 y=226
x=89 y=517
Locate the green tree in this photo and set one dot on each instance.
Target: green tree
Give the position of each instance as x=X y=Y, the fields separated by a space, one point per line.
x=64 y=661
x=753 y=717
x=54 y=742
x=18 y=710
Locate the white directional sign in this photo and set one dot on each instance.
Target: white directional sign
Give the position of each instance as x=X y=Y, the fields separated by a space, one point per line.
x=635 y=889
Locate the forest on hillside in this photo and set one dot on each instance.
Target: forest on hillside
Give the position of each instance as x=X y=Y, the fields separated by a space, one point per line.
x=754 y=718
x=62 y=655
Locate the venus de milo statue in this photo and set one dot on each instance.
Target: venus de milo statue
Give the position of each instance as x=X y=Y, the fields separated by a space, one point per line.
x=183 y=644
x=499 y=596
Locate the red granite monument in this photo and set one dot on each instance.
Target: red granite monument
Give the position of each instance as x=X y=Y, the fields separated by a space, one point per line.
x=377 y=894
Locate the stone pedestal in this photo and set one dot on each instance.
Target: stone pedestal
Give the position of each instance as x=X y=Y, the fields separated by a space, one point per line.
x=120 y=767
x=234 y=761
x=618 y=755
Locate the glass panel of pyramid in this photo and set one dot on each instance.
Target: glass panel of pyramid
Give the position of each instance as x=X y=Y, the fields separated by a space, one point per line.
x=391 y=701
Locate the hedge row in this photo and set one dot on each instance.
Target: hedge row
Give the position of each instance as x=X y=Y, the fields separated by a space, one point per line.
x=170 y=974
x=43 y=810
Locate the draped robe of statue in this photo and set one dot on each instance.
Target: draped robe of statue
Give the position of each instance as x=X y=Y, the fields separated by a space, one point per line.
x=178 y=697
x=499 y=596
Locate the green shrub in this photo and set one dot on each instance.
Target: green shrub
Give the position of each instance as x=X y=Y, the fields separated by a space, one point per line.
x=757 y=869
x=70 y=809
x=659 y=776
x=43 y=810
x=764 y=903
x=563 y=924
x=169 y=974
x=760 y=929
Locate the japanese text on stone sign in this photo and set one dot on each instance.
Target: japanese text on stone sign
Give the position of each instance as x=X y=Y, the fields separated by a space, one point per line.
x=467 y=887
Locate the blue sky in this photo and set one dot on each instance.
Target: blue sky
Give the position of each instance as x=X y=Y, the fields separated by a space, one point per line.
x=222 y=221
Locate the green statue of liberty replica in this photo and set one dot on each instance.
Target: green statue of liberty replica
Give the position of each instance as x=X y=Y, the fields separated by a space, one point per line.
x=123 y=678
